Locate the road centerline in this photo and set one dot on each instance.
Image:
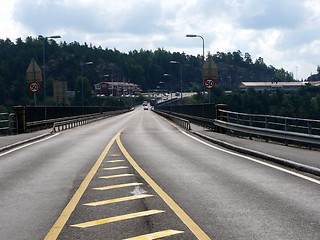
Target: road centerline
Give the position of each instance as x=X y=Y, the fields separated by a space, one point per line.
x=66 y=213
x=195 y=229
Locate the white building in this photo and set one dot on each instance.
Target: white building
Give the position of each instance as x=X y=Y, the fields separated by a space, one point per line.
x=273 y=86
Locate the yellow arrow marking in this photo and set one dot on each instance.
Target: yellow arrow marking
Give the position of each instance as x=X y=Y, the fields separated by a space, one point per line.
x=156 y=235
x=116 y=218
x=116 y=200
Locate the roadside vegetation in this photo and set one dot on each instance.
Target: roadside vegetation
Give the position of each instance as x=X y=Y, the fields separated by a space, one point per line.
x=305 y=103
x=150 y=70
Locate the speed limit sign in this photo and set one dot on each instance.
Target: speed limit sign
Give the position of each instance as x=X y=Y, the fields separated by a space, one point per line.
x=209 y=83
x=34 y=87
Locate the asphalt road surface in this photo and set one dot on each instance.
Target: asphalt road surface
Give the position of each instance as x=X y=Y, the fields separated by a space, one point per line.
x=137 y=176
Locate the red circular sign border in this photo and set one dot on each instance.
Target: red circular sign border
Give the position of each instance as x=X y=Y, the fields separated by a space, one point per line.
x=214 y=83
x=38 y=87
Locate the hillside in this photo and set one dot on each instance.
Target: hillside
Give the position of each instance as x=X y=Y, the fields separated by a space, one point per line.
x=67 y=63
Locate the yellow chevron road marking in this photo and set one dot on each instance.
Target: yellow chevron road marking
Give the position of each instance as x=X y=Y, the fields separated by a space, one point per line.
x=67 y=211
x=115 y=168
x=197 y=231
x=116 y=218
x=115 y=155
x=117 y=176
x=116 y=200
x=114 y=161
x=118 y=186
x=156 y=235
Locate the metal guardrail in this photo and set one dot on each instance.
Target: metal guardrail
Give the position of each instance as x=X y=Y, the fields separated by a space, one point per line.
x=267 y=126
x=298 y=130
x=205 y=122
x=277 y=134
x=286 y=124
x=75 y=122
x=180 y=121
x=8 y=123
x=67 y=120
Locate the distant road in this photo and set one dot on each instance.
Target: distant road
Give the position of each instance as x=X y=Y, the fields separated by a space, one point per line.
x=136 y=174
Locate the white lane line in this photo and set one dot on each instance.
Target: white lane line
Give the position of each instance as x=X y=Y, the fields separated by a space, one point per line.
x=254 y=160
x=28 y=144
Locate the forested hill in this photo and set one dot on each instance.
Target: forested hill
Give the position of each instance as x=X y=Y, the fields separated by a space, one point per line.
x=66 y=62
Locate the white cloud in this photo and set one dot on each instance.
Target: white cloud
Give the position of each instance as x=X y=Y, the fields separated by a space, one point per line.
x=283 y=32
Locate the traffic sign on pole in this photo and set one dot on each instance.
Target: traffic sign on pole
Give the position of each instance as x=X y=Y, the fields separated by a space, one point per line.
x=209 y=69
x=209 y=83
x=34 y=72
x=34 y=87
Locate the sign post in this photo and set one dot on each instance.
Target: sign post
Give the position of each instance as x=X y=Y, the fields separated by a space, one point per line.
x=34 y=87
x=34 y=77
x=209 y=83
x=209 y=74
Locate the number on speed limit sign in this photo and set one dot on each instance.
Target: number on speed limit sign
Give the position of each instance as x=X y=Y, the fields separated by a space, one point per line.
x=34 y=87
x=209 y=83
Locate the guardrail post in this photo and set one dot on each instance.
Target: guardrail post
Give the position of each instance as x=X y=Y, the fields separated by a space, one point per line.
x=219 y=116
x=309 y=128
x=20 y=112
x=250 y=124
x=285 y=125
x=12 y=123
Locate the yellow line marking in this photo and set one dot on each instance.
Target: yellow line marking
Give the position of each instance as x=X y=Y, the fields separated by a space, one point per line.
x=115 y=161
x=115 y=168
x=66 y=213
x=116 y=218
x=117 y=186
x=117 y=176
x=156 y=235
x=115 y=155
x=116 y=200
x=197 y=231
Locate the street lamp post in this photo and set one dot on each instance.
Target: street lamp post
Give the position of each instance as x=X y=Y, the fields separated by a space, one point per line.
x=82 y=99
x=44 y=39
x=168 y=75
x=175 y=62
x=194 y=35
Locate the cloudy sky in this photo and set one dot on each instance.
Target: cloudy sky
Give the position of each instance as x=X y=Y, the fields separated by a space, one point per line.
x=285 y=33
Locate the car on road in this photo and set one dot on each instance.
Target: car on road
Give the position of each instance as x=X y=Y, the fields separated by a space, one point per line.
x=145 y=108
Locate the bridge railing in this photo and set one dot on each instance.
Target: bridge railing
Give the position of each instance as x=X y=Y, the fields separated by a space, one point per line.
x=8 y=123
x=287 y=124
x=32 y=118
x=180 y=121
x=284 y=129
x=297 y=130
x=71 y=123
